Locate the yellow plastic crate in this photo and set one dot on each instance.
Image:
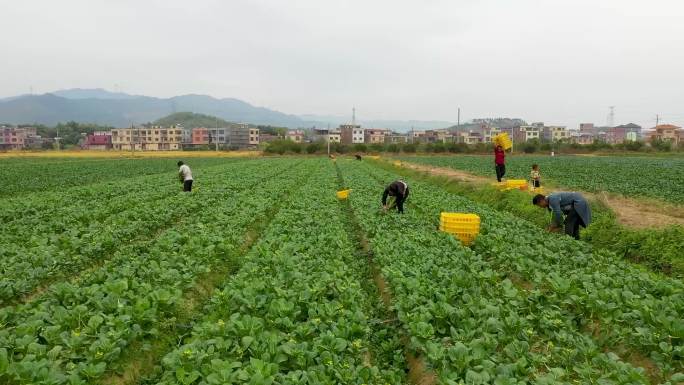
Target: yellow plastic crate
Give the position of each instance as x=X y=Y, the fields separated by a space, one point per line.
x=397 y=163
x=459 y=218
x=516 y=182
x=503 y=140
x=465 y=226
x=452 y=230
x=375 y=157
x=469 y=226
x=466 y=239
x=520 y=184
x=343 y=194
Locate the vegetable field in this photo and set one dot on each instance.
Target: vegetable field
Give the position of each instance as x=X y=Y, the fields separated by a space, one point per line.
x=261 y=276
x=660 y=178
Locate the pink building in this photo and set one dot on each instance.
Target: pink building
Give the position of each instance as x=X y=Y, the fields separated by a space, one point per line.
x=14 y=138
x=99 y=140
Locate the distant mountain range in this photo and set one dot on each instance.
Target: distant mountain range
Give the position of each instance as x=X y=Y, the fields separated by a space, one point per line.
x=121 y=110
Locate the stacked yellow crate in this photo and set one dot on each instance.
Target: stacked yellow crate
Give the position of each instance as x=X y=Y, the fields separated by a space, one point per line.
x=520 y=184
x=464 y=226
x=504 y=141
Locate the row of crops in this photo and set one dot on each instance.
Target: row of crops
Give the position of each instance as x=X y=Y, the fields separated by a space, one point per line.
x=661 y=178
x=262 y=277
x=80 y=328
x=42 y=174
x=520 y=305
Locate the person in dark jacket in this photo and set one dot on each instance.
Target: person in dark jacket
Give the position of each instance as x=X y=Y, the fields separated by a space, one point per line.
x=358 y=157
x=499 y=162
x=399 y=191
x=573 y=205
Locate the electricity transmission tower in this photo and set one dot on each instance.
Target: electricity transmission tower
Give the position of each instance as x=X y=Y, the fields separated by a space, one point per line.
x=611 y=116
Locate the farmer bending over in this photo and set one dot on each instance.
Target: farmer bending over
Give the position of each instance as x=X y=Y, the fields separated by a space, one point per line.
x=398 y=191
x=185 y=176
x=573 y=205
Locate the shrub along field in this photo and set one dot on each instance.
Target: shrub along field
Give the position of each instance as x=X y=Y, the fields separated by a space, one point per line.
x=261 y=276
x=652 y=177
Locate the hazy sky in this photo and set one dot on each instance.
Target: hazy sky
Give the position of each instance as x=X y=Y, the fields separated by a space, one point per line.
x=561 y=62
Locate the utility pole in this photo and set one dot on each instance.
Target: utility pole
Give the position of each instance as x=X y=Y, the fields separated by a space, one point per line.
x=353 y=116
x=57 y=138
x=216 y=134
x=657 y=119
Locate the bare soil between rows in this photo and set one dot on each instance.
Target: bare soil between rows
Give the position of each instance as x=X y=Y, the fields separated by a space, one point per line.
x=632 y=213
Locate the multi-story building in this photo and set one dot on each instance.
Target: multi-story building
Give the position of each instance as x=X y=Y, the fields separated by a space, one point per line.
x=614 y=135
x=416 y=136
x=555 y=133
x=624 y=133
x=438 y=136
x=296 y=136
x=243 y=136
x=202 y=135
x=470 y=137
x=375 y=135
x=527 y=133
x=267 y=138
x=395 y=137
x=326 y=135
x=15 y=138
x=667 y=132
x=587 y=127
x=98 y=140
x=152 y=138
x=335 y=136
x=34 y=142
x=351 y=134
x=583 y=138
x=488 y=135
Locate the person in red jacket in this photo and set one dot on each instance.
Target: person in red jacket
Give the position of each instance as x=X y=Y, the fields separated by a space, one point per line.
x=499 y=162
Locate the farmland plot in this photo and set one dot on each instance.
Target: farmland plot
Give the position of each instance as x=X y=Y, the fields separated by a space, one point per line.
x=262 y=277
x=521 y=305
x=660 y=178
x=296 y=312
x=73 y=331
x=41 y=174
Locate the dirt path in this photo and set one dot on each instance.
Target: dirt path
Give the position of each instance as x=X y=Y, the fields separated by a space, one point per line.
x=631 y=212
x=640 y=214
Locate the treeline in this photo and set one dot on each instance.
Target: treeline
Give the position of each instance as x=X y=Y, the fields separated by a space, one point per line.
x=289 y=147
x=535 y=145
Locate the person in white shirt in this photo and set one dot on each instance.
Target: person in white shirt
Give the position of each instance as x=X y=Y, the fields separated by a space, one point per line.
x=185 y=176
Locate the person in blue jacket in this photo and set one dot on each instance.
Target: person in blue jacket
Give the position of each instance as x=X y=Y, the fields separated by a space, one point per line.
x=573 y=205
